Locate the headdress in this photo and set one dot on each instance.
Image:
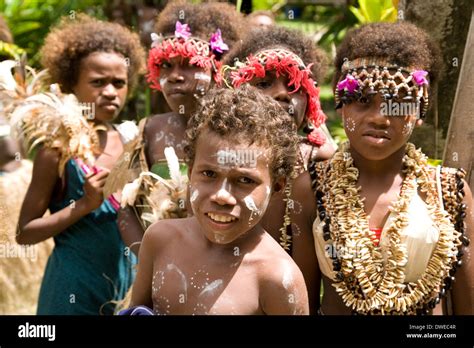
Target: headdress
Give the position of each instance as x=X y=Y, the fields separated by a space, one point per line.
x=199 y=52
x=285 y=62
x=365 y=77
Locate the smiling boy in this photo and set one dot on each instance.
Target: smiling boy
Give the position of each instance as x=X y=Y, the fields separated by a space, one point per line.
x=221 y=260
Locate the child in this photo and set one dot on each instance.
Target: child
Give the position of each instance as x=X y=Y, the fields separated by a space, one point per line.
x=221 y=260
x=98 y=62
x=183 y=63
x=391 y=230
x=285 y=65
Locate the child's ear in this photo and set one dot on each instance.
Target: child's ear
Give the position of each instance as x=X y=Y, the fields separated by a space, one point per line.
x=279 y=184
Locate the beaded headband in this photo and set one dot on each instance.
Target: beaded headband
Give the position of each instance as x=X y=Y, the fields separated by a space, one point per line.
x=286 y=63
x=365 y=77
x=199 y=52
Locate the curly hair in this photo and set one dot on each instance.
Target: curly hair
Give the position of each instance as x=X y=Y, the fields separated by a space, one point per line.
x=290 y=39
x=203 y=20
x=244 y=112
x=401 y=43
x=74 y=39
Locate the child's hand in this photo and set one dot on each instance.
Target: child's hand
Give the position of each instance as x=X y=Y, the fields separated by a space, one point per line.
x=93 y=188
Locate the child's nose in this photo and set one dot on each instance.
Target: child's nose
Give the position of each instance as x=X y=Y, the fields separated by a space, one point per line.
x=224 y=197
x=176 y=74
x=109 y=91
x=280 y=91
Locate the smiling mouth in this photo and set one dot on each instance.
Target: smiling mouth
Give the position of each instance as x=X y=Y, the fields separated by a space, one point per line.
x=221 y=219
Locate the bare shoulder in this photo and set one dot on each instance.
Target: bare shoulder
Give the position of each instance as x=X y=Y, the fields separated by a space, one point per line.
x=282 y=286
x=157 y=122
x=303 y=196
x=165 y=232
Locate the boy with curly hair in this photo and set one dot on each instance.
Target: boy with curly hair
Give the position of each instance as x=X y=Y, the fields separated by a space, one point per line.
x=98 y=62
x=221 y=260
x=183 y=63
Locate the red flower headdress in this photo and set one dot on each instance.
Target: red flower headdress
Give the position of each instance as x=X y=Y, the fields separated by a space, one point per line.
x=285 y=62
x=199 y=52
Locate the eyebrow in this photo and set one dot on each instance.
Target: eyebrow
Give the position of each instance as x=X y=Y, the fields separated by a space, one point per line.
x=243 y=171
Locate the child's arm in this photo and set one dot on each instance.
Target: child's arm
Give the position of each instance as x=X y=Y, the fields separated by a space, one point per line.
x=283 y=291
x=130 y=229
x=326 y=151
x=303 y=243
x=463 y=287
x=33 y=227
x=141 y=293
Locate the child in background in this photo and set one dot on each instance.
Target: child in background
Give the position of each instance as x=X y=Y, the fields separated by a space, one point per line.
x=241 y=148
x=99 y=63
x=391 y=230
x=183 y=63
x=285 y=64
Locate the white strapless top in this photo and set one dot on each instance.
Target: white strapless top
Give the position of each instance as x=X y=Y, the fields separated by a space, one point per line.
x=419 y=236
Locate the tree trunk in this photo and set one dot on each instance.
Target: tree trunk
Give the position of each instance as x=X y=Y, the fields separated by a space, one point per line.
x=447 y=21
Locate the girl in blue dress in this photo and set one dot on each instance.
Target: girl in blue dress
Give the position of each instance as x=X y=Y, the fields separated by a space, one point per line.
x=89 y=268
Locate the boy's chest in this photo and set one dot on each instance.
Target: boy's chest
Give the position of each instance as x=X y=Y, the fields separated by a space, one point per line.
x=203 y=289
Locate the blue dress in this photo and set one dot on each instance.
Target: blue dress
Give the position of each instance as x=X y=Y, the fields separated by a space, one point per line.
x=89 y=266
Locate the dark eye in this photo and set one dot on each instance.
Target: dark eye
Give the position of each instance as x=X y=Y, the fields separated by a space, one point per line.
x=364 y=100
x=209 y=173
x=165 y=65
x=119 y=83
x=97 y=83
x=245 y=180
x=263 y=84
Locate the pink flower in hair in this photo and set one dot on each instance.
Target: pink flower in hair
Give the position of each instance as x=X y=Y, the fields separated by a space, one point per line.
x=217 y=44
x=420 y=77
x=182 y=30
x=349 y=83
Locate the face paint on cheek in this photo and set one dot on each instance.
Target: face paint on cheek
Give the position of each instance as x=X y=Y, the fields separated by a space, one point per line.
x=202 y=84
x=408 y=128
x=250 y=204
x=193 y=197
x=163 y=81
x=349 y=124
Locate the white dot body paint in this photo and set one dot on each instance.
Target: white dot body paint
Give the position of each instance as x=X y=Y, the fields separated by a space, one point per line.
x=211 y=288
